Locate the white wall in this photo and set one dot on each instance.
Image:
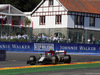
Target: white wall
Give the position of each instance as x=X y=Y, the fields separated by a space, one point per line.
x=97 y=24
x=50 y=13
x=50 y=22
x=70 y=22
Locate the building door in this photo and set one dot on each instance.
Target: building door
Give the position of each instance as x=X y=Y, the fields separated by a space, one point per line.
x=77 y=37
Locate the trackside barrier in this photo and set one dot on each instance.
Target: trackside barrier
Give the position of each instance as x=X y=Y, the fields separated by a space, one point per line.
x=42 y=47
x=2 y=55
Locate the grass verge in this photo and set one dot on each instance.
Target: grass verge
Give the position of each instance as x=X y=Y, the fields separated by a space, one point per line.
x=47 y=68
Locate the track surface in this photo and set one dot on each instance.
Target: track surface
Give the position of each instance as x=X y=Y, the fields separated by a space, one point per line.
x=19 y=59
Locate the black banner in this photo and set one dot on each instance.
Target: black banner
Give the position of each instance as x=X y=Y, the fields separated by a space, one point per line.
x=2 y=55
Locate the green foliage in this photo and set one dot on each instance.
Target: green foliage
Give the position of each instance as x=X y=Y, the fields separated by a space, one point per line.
x=22 y=40
x=23 y=5
x=14 y=40
x=27 y=21
x=63 y=36
x=5 y=40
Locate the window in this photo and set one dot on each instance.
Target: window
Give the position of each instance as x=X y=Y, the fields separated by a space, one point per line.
x=50 y=2
x=58 y=34
x=92 y=21
x=91 y=38
x=77 y=37
x=58 y=19
x=79 y=20
x=42 y=20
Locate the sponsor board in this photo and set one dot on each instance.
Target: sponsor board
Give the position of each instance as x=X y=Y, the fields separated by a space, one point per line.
x=30 y=47
x=43 y=46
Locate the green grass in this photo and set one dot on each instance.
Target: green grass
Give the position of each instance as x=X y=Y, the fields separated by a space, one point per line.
x=43 y=69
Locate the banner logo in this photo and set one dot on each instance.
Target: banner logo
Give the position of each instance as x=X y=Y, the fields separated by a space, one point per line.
x=43 y=46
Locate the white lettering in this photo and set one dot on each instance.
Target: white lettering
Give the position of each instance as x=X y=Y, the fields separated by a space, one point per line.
x=68 y=47
x=40 y=46
x=87 y=48
x=20 y=46
x=4 y=46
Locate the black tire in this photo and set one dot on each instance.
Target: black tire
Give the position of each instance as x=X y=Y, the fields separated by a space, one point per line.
x=32 y=60
x=54 y=59
x=67 y=59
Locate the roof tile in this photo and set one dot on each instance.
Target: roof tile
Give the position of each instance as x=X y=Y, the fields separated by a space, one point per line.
x=87 y=6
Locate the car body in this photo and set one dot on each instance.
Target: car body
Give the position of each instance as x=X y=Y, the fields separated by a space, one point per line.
x=50 y=57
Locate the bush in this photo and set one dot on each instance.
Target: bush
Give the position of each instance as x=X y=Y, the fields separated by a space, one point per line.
x=22 y=40
x=14 y=40
x=4 y=40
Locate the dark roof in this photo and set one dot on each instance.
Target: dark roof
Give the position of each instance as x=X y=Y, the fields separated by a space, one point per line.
x=87 y=6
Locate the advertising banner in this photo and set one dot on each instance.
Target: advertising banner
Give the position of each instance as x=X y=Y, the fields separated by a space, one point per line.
x=16 y=46
x=41 y=47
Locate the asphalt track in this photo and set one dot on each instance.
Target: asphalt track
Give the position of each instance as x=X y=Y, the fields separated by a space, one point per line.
x=19 y=59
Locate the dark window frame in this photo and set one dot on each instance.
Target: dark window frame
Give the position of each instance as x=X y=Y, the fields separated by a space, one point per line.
x=92 y=21
x=79 y=20
x=58 y=19
x=58 y=34
x=51 y=2
x=42 y=20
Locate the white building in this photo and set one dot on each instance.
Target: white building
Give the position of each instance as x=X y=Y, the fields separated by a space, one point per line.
x=78 y=20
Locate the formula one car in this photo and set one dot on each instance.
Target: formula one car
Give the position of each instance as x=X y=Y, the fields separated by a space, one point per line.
x=51 y=57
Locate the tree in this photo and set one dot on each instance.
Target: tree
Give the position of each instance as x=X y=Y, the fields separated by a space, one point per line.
x=27 y=21
x=23 y=5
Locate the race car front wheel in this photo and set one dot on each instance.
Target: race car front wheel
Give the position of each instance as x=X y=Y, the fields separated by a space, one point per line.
x=32 y=60
x=67 y=59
